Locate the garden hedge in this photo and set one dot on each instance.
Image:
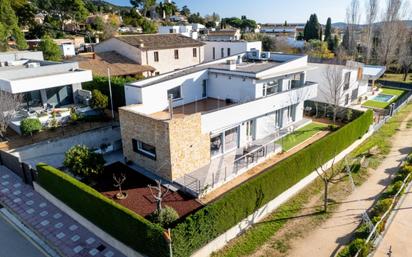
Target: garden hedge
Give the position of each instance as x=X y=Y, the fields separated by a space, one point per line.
x=123 y=224
x=211 y=221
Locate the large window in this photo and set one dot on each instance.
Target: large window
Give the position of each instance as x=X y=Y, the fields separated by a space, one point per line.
x=175 y=92
x=204 y=88
x=144 y=149
x=60 y=96
x=216 y=145
x=214 y=53
x=231 y=139
x=32 y=99
x=347 y=80
x=176 y=54
x=270 y=88
x=228 y=52
x=156 y=56
x=222 y=52
x=194 y=52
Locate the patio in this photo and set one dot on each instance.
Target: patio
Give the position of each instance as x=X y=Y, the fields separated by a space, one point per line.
x=230 y=165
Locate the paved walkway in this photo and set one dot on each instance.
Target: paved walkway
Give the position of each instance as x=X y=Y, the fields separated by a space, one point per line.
x=60 y=231
x=399 y=232
x=328 y=239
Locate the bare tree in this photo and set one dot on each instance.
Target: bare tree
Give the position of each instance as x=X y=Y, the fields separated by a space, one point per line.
x=390 y=28
x=333 y=90
x=352 y=19
x=328 y=176
x=119 y=180
x=8 y=106
x=372 y=9
x=158 y=194
x=405 y=52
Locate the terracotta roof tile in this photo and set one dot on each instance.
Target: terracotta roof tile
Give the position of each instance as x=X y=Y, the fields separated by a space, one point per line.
x=159 y=41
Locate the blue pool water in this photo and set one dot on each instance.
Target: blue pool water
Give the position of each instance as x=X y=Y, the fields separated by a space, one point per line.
x=383 y=98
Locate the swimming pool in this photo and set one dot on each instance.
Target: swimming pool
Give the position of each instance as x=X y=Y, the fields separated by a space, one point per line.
x=384 y=98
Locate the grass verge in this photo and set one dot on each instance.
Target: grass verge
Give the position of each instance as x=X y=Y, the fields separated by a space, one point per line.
x=264 y=232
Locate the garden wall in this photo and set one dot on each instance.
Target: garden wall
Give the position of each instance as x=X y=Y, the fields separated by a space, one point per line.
x=118 y=221
x=245 y=202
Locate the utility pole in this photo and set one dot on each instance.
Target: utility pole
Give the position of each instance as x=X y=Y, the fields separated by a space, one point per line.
x=110 y=90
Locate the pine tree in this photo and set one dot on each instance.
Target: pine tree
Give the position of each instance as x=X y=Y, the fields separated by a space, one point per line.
x=50 y=49
x=312 y=28
x=11 y=29
x=345 y=39
x=328 y=30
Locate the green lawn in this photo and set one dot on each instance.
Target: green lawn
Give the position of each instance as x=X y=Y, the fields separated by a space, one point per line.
x=383 y=105
x=396 y=77
x=301 y=135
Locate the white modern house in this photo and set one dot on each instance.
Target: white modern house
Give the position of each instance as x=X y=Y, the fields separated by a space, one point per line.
x=204 y=125
x=346 y=82
x=164 y=52
x=43 y=84
x=221 y=49
x=191 y=30
x=224 y=35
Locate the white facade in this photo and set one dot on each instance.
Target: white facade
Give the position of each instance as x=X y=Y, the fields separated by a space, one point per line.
x=344 y=82
x=220 y=49
x=191 y=30
x=163 y=60
x=68 y=50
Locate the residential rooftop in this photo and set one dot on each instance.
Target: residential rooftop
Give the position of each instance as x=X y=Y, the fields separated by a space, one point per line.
x=159 y=41
x=119 y=65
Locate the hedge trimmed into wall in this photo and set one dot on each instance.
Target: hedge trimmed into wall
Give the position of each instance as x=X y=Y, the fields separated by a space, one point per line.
x=208 y=223
x=118 y=221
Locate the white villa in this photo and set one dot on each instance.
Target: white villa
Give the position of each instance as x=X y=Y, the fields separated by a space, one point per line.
x=43 y=84
x=348 y=82
x=192 y=30
x=164 y=52
x=221 y=49
x=204 y=125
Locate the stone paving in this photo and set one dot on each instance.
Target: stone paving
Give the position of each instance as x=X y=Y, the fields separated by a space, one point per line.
x=59 y=230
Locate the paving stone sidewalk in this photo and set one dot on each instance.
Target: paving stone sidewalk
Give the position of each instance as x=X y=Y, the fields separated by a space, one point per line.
x=59 y=230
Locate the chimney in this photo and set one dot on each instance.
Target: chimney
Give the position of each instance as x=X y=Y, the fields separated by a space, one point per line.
x=171 y=106
x=141 y=44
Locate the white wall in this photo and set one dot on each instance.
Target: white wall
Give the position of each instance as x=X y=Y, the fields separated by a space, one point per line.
x=236 y=47
x=113 y=44
x=324 y=95
x=223 y=86
x=154 y=98
x=231 y=116
x=265 y=125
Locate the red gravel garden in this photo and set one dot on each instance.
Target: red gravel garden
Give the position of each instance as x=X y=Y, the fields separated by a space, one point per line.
x=140 y=199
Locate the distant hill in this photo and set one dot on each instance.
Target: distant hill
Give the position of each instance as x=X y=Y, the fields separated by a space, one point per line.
x=342 y=25
x=110 y=6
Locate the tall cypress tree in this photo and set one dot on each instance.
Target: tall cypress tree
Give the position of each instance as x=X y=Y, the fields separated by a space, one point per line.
x=328 y=29
x=11 y=28
x=312 y=28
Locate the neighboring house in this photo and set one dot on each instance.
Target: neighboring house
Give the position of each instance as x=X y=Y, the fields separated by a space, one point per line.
x=192 y=30
x=165 y=53
x=130 y=29
x=224 y=35
x=68 y=46
x=119 y=65
x=41 y=82
x=346 y=82
x=283 y=30
x=190 y=126
x=220 y=49
x=177 y=18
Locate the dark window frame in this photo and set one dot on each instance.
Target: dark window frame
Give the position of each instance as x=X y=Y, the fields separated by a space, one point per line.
x=156 y=56
x=194 y=52
x=139 y=147
x=176 y=54
x=179 y=95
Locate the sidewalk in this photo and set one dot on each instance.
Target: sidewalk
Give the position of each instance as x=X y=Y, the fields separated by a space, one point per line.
x=59 y=230
x=399 y=233
x=331 y=236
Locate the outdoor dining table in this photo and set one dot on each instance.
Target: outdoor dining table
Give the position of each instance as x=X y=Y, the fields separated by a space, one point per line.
x=253 y=152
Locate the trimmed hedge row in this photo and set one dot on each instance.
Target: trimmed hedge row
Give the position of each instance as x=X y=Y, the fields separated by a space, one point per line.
x=118 y=221
x=211 y=221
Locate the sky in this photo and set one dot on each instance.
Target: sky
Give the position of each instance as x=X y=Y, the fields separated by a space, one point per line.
x=269 y=10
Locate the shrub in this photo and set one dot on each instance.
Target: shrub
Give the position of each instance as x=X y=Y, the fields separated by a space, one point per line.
x=73 y=115
x=393 y=189
x=118 y=221
x=362 y=231
x=381 y=207
x=84 y=162
x=29 y=126
x=165 y=217
x=211 y=221
x=99 y=100
x=406 y=170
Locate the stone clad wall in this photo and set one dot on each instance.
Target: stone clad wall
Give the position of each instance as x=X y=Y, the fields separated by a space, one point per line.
x=180 y=145
x=150 y=131
x=190 y=149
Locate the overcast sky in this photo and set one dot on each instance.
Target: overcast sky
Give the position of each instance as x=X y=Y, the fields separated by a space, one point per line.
x=270 y=10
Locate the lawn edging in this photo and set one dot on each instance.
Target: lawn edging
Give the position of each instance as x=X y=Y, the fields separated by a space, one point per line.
x=125 y=230
x=210 y=228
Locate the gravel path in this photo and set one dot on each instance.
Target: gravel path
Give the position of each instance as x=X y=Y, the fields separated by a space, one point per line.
x=333 y=234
